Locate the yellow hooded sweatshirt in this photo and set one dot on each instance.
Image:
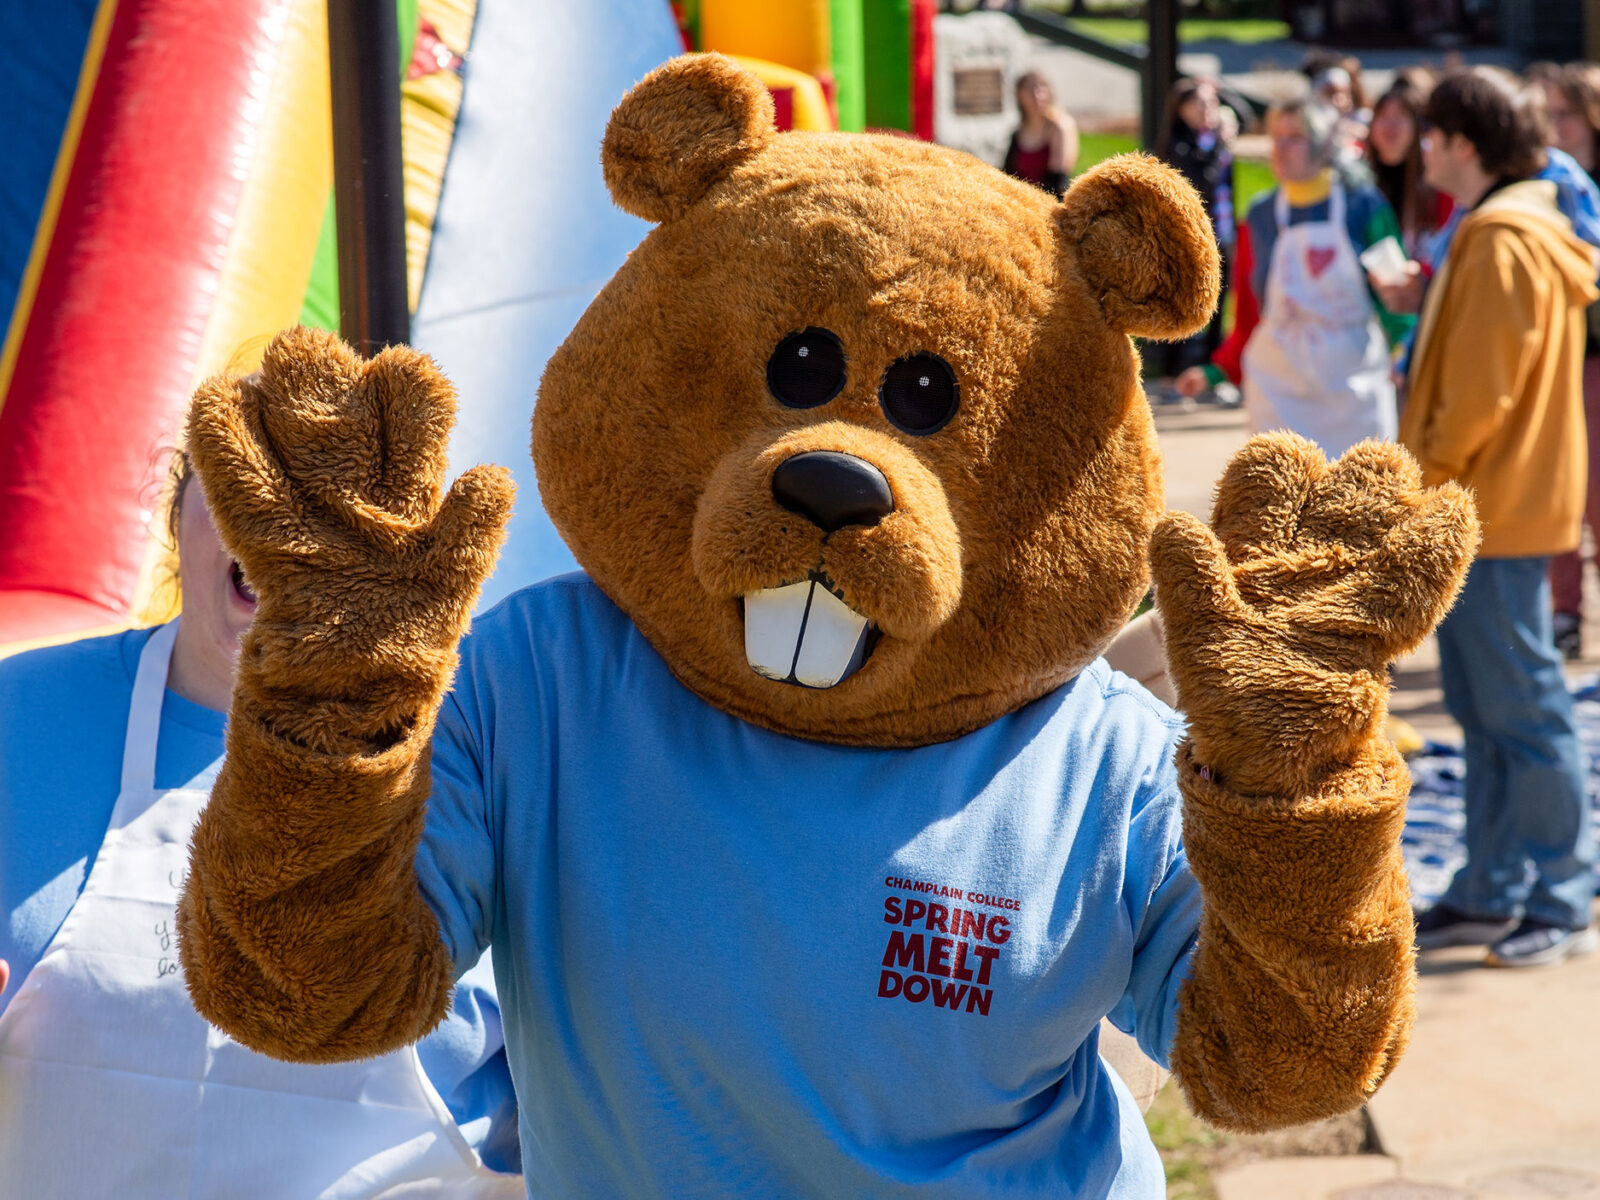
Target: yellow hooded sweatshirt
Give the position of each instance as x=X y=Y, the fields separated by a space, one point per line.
x=1496 y=390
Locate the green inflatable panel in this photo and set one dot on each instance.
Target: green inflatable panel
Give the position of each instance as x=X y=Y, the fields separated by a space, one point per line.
x=886 y=56
x=849 y=65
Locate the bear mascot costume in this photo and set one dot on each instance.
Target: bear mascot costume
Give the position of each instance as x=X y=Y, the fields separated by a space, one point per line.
x=812 y=836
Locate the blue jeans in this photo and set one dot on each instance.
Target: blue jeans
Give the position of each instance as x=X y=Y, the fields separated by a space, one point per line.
x=1525 y=799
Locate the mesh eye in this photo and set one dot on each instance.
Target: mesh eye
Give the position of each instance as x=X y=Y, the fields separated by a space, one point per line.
x=919 y=393
x=807 y=369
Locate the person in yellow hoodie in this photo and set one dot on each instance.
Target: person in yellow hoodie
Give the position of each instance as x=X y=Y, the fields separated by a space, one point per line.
x=1496 y=403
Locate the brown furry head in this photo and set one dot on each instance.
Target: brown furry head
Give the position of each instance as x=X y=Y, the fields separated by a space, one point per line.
x=946 y=347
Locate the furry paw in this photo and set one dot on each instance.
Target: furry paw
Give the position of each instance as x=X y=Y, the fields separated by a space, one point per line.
x=324 y=473
x=1281 y=622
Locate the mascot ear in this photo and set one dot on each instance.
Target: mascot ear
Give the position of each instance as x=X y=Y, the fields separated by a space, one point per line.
x=679 y=130
x=1143 y=246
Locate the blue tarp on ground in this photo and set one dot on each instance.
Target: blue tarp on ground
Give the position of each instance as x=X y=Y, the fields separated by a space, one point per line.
x=1434 y=819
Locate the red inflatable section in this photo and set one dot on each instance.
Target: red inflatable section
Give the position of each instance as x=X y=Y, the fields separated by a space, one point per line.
x=922 y=14
x=107 y=355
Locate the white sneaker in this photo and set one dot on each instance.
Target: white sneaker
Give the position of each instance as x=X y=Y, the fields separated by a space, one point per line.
x=1539 y=944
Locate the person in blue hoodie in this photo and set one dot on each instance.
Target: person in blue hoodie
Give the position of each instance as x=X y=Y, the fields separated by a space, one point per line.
x=1572 y=97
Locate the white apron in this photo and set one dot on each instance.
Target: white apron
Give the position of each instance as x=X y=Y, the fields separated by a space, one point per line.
x=111 y=1085
x=1318 y=363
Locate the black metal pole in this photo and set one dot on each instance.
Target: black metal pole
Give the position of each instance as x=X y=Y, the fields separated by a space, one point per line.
x=364 y=63
x=1160 y=67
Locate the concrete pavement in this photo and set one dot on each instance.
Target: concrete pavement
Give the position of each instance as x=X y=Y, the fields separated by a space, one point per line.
x=1197 y=440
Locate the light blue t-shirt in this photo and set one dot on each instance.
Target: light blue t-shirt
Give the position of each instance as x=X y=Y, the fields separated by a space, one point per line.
x=63 y=718
x=737 y=963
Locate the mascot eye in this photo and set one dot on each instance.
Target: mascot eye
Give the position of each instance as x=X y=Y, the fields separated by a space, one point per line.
x=919 y=393
x=807 y=369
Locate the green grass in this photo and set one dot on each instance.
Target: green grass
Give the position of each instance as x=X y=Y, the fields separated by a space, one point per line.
x=1097 y=147
x=1250 y=179
x=1132 y=32
x=1186 y=1146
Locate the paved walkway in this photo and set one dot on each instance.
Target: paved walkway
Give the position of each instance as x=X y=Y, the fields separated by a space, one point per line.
x=1499 y=1095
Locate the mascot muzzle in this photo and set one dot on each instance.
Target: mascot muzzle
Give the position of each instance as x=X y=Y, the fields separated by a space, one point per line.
x=828 y=540
x=804 y=633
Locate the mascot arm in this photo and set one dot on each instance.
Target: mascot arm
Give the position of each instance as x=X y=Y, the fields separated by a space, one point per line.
x=1161 y=898
x=302 y=929
x=1280 y=625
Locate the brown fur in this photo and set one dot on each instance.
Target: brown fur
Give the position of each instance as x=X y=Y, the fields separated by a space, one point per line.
x=1278 y=628
x=1018 y=546
x=325 y=476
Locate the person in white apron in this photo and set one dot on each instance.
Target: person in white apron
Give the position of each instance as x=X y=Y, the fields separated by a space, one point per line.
x=111 y=1085
x=1316 y=360
x=1318 y=363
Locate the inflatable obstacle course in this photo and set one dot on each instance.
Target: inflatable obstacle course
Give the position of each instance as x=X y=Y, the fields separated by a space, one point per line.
x=143 y=244
x=830 y=64
x=160 y=218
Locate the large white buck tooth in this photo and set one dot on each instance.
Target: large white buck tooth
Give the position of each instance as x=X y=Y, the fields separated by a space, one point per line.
x=802 y=633
x=773 y=620
x=834 y=638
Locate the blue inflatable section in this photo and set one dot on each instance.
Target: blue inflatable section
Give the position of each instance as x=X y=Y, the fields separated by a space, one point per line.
x=526 y=233
x=41 y=56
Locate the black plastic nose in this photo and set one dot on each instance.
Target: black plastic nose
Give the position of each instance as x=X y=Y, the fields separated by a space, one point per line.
x=832 y=490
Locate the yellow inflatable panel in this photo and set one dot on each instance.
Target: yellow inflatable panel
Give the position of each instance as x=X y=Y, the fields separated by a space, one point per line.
x=430 y=102
x=276 y=225
x=793 y=33
x=280 y=212
x=798 y=96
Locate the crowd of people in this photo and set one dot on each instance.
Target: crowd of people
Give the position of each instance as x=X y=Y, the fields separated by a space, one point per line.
x=1494 y=400
x=1423 y=269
